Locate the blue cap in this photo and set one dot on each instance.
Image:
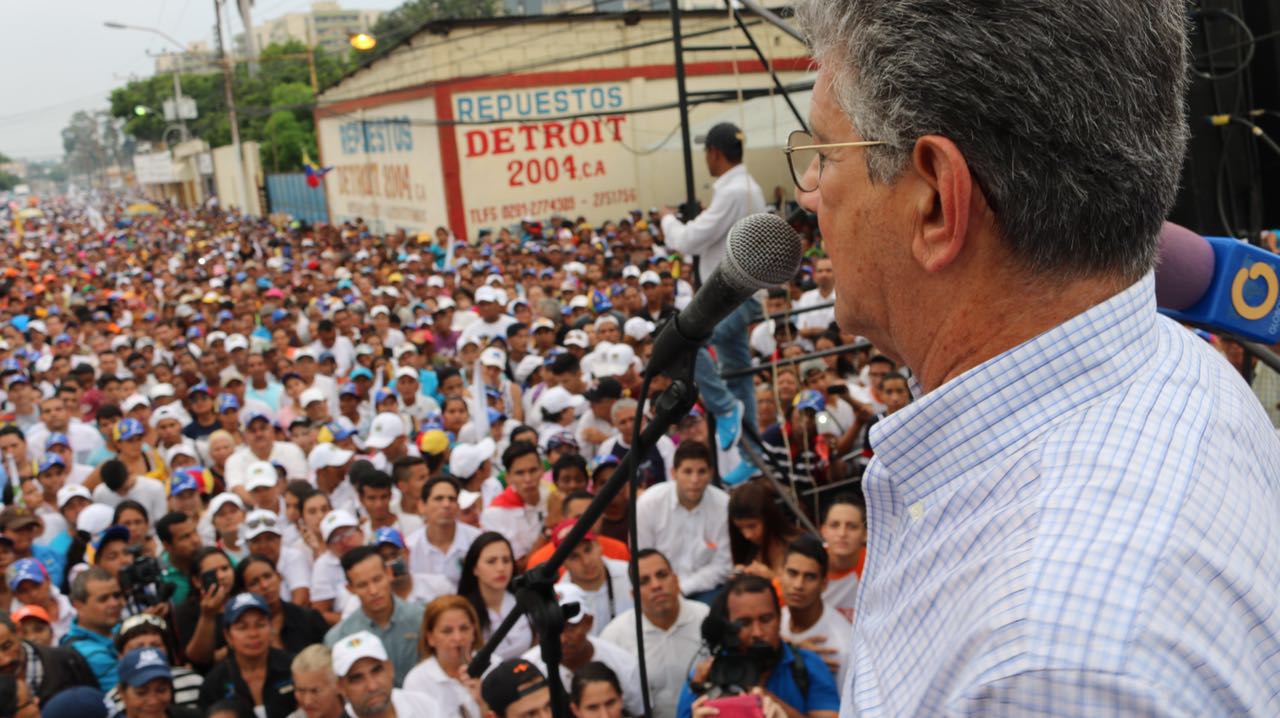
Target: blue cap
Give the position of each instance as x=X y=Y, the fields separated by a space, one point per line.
x=224 y=315
x=348 y=389
x=492 y=393
x=810 y=399
x=278 y=315
x=254 y=416
x=63 y=339
x=57 y=438
x=496 y=416
x=326 y=356
x=264 y=283
x=129 y=429
x=340 y=433
x=228 y=402
x=77 y=702
x=193 y=332
x=603 y=460
x=50 y=460
x=25 y=569
x=183 y=482
x=240 y=604
x=143 y=665
x=361 y=371
x=382 y=394
x=201 y=388
x=388 y=535
x=112 y=533
x=433 y=421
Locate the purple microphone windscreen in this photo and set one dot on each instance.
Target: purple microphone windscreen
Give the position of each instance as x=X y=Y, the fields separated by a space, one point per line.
x=1184 y=268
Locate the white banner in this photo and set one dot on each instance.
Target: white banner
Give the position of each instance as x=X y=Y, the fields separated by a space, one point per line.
x=154 y=168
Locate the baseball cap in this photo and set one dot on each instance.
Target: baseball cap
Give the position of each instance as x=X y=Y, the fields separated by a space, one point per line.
x=542 y=323
x=493 y=357
x=222 y=499
x=327 y=455
x=25 y=569
x=66 y=493
x=133 y=401
x=433 y=441
x=181 y=482
x=557 y=399
x=562 y=440
x=143 y=665
x=486 y=293
x=260 y=475
x=30 y=611
x=349 y=389
x=577 y=338
x=387 y=427
x=388 y=535
x=467 y=498
x=77 y=702
x=810 y=399
x=334 y=520
x=311 y=395
x=510 y=681
x=128 y=429
x=725 y=137
x=48 y=461
x=261 y=521
x=241 y=604
x=466 y=459
x=631 y=271
x=650 y=277
x=16 y=517
x=563 y=528
x=160 y=391
x=113 y=533
x=95 y=518
x=177 y=450
x=201 y=388
x=57 y=438
x=355 y=647
x=638 y=328
x=168 y=411
x=569 y=593
x=228 y=402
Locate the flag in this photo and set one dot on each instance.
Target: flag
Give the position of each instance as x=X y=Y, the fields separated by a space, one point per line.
x=315 y=173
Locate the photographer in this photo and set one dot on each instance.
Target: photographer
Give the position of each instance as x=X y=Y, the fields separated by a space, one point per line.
x=796 y=680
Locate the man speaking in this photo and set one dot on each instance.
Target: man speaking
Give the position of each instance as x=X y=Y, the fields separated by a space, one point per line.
x=1078 y=516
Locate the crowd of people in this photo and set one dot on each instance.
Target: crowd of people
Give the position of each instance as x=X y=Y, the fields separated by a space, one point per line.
x=277 y=469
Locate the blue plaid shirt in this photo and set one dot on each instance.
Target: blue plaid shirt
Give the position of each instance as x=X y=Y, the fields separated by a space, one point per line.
x=1085 y=525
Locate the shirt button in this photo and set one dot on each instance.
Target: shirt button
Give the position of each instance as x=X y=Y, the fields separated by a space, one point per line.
x=916 y=510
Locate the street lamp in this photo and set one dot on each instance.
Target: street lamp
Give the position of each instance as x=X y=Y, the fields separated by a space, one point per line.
x=363 y=41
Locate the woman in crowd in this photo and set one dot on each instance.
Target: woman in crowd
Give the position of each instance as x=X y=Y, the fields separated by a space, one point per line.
x=131 y=515
x=212 y=581
x=487 y=571
x=450 y=634
x=844 y=530
x=221 y=445
x=595 y=692
x=293 y=627
x=758 y=530
x=313 y=509
x=253 y=674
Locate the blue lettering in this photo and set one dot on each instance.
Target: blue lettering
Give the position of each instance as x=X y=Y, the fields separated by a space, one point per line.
x=504 y=105
x=579 y=92
x=597 y=98
x=524 y=104
x=562 y=101
x=484 y=107
x=541 y=101
x=464 y=109
x=615 y=97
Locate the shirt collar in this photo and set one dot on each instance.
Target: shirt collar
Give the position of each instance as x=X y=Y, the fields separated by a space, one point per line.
x=1001 y=403
x=729 y=174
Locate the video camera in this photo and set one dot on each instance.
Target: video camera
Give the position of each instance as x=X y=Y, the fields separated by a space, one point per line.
x=142 y=582
x=735 y=668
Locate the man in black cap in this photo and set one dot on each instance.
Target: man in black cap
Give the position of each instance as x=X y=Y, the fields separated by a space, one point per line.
x=516 y=688
x=595 y=427
x=734 y=196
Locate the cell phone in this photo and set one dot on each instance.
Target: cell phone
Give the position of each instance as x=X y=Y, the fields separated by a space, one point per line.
x=737 y=706
x=209 y=578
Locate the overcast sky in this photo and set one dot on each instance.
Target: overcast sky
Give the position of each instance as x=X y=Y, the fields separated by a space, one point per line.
x=56 y=56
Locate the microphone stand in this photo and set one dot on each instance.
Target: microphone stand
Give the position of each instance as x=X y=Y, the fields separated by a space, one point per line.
x=535 y=589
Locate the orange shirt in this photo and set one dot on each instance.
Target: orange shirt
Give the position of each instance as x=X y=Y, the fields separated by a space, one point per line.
x=612 y=548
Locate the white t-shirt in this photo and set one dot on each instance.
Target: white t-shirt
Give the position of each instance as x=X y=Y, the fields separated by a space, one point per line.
x=145 y=490
x=518 y=639
x=409 y=704
x=832 y=626
x=841 y=593
x=295 y=568
x=623 y=664
x=287 y=454
x=327 y=578
x=429 y=678
x=816 y=318
x=599 y=600
x=425 y=557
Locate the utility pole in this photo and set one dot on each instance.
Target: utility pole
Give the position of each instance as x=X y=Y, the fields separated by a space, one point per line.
x=228 y=80
x=250 y=41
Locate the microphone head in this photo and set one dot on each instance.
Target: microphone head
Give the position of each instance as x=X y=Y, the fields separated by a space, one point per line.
x=762 y=251
x=1184 y=268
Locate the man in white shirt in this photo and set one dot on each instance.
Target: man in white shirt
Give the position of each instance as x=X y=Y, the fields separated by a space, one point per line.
x=520 y=512
x=807 y=621
x=54 y=419
x=441 y=544
x=672 y=630
x=366 y=679
x=340 y=532
x=491 y=323
x=688 y=521
x=328 y=340
x=263 y=533
x=603 y=581
x=815 y=322
x=580 y=647
x=735 y=195
x=261 y=445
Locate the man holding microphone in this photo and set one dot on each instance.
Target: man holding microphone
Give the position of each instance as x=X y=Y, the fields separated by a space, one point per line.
x=1076 y=515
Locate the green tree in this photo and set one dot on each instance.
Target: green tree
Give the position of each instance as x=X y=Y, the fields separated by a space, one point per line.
x=8 y=181
x=404 y=21
x=82 y=142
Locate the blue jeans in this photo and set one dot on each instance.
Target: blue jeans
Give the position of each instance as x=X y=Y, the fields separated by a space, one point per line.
x=730 y=340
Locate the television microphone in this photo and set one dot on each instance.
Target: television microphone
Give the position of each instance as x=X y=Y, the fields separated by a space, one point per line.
x=1219 y=282
x=762 y=251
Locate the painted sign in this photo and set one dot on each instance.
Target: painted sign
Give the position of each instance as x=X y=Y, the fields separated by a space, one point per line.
x=544 y=150
x=386 y=167
x=154 y=168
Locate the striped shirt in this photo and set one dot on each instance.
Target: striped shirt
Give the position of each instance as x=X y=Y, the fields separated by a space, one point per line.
x=1087 y=524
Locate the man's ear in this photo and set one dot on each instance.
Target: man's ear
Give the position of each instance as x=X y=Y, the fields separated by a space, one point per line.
x=944 y=189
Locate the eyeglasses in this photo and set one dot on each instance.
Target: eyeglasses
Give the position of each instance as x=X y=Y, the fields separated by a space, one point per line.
x=802 y=153
x=257 y=523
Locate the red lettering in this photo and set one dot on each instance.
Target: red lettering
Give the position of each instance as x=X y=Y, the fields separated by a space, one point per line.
x=615 y=122
x=595 y=127
x=579 y=133
x=552 y=132
x=502 y=141
x=477 y=143
x=528 y=132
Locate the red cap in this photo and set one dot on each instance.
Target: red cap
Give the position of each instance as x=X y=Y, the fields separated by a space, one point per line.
x=30 y=611
x=563 y=528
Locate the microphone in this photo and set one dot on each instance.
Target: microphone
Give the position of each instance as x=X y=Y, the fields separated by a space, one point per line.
x=762 y=251
x=1219 y=282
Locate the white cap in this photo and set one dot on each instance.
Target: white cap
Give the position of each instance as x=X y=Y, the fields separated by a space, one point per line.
x=221 y=500
x=326 y=455
x=260 y=475
x=216 y=336
x=133 y=401
x=604 y=319
x=467 y=498
x=380 y=309
x=630 y=271
x=180 y=449
x=542 y=323
x=168 y=411
x=579 y=301
x=638 y=328
x=407 y=372
x=493 y=357
x=650 y=277
x=334 y=520
x=350 y=650
x=435 y=280
x=486 y=293
x=577 y=338
x=567 y=593
x=387 y=427
x=527 y=365
x=39 y=326
x=159 y=391
x=66 y=493
x=95 y=518
x=304 y=353
x=466 y=459
x=557 y=399
x=443 y=303
x=261 y=521
x=575 y=268
x=493 y=280
x=614 y=360
x=230 y=374
x=311 y=395
x=404 y=348
x=236 y=341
